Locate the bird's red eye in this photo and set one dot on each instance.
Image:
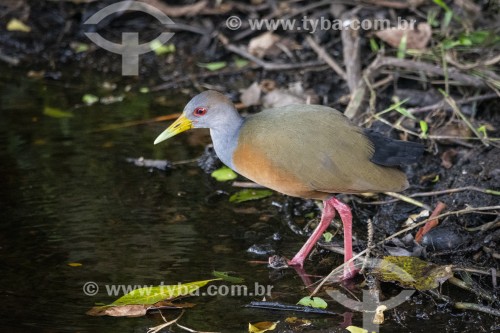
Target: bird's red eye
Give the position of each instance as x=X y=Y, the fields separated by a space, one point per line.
x=200 y=112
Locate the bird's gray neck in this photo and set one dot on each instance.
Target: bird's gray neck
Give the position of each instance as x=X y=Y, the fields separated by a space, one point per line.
x=226 y=139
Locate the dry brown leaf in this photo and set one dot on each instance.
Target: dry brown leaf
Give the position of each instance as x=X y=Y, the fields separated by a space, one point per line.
x=262 y=326
x=261 y=45
x=448 y=158
x=415 y=38
x=251 y=95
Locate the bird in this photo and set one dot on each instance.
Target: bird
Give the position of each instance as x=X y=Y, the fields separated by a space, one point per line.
x=305 y=151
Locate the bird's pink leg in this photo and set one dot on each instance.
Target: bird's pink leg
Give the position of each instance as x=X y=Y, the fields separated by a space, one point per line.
x=326 y=218
x=329 y=208
x=346 y=217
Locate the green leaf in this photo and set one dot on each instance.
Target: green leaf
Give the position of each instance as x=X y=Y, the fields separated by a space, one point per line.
x=424 y=127
x=226 y=277
x=402 y=46
x=90 y=99
x=356 y=329
x=250 y=194
x=213 y=66
x=374 y=45
x=442 y=4
x=483 y=131
x=397 y=106
x=404 y=112
x=240 y=63
x=448 y=16
x=159 y=48
x=56 y=113
x=224 y=174
x=315 y=302
x=152 y=295
x=79 y=47
x=328 y=236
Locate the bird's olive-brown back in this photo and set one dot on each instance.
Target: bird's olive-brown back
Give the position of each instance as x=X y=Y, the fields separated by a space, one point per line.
x=310 y=151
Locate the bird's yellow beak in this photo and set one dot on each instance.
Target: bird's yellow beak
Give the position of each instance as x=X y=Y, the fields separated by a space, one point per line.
x=180 y=125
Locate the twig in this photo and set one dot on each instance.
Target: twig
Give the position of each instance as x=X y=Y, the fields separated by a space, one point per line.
x=444 y=105
x=350 y=43
x=461 y=284
x=408 y=200
x=166 y=324
x=453 y=73
x=433 y=193
x=322 y=54
x=456 y=109
x=477 y=307
x=270 y=66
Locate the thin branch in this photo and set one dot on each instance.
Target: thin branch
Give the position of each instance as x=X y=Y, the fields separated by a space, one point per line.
x=322 y=54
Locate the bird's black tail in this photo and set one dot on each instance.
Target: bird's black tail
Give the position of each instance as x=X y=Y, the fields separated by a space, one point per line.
x=390 y=152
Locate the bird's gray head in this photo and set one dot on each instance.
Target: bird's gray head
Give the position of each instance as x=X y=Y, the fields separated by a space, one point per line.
x=210 y=109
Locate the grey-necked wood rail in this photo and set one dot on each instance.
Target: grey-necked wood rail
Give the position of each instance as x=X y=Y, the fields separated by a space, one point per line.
x=307 y=151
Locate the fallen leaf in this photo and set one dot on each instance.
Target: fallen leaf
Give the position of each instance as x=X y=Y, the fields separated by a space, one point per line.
x=152 y=295
x=249 y=194
x=75 y=264
x=296 y=323
x=315 y=302
x=17 y=25
x=448 y=158
x=415 y=38
x=251 y=95
x=213 y=66
x=56 y=113
x=159 y=48
x=355 y=329
x=411 y=272
x=262 y=326
x=134 y=310
x=224 y=174
x=90 y=99
x=261 y=45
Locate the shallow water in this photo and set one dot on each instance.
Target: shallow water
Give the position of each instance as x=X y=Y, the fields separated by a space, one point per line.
x=68 y=195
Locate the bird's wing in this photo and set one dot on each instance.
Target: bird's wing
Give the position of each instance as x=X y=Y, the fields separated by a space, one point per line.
x=319 y=148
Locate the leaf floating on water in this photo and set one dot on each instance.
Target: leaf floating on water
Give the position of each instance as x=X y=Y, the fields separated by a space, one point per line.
x=315 y=302
x=262 y=326
x=17 y=25
x=56 y=113
x=356 y=329
x=226 y=277
x=411 y=272
x=75 y=264
x=134 y=310
x=224 y=174
x=249 y=194
x=296 y=323
x=90 y=99
x=152 y=295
